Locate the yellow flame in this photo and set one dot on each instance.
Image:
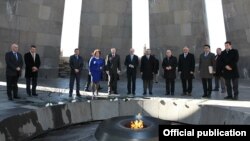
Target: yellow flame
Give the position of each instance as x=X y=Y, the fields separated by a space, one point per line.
x=137 y=124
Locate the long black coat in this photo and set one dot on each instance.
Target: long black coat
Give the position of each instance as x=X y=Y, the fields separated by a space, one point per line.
x=12 y=63
x=148 y=67
x=172 y=61
x=231 y=59
x=134 y=62
x=29 y=63
x=186 y=65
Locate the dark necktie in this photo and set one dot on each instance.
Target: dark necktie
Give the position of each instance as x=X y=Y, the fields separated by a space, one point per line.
x=16 y=56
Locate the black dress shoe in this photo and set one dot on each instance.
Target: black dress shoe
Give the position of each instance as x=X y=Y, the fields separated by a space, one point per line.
x=184 y=94
x=133 y=93
x=35 y=94
x=70 y=95
x=28 y=94
x=228 y=97
x=204 y=95
x=144 y=93
x=17 y=97
x=167 y=93
x=128 y=93
x=78 y=95
x=115 y=92
x=235 y=97
x=150 y=93
x=10 y=99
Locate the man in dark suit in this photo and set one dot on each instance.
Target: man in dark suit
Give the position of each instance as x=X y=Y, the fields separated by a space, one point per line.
x=206 y=70
x=14 y=64
x=32 y=64
x=113 y=68
x=186 y=66
x=147 y=70
x=76 y=65
x=169 y=65
x=230 y=58
x=132 y=62
x=218 y=73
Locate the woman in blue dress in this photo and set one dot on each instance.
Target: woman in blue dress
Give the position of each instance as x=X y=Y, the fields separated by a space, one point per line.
x=96 y=65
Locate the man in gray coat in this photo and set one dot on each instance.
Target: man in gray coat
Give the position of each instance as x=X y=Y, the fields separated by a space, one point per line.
x=206 y=69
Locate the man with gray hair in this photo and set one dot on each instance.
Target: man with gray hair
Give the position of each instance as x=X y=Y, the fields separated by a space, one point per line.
x=169 y=65
x=186 y=66
x=113 y=68
x=131 y=62
x=14 y=64
x=218 y=73
x=147 y=71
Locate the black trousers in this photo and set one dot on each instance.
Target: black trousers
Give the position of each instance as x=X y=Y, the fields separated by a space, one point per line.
x=170 y=85
x=131 y=76
x=147 y=84
x=186 y=88
x=207 y=86
x=112 y=82
x=12 y=86
x=235 y=86
x=88 y=82
x=217 y=84
x=73 y=77
x=34 y=84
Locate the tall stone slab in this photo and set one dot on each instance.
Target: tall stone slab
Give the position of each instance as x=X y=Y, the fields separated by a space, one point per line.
x=237 y=24
x=175 y=24
x=106 y=24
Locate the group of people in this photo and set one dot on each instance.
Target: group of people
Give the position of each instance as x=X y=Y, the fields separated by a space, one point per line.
x=14 y=65
x=222 y=67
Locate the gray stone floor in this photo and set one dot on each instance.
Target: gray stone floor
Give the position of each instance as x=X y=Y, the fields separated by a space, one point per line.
x=57 y=93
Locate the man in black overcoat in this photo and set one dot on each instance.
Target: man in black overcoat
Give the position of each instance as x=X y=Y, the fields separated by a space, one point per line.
x=186 y=67
x=32 y=64
x=230 y=58
x=147 y=70
x=169 y=65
